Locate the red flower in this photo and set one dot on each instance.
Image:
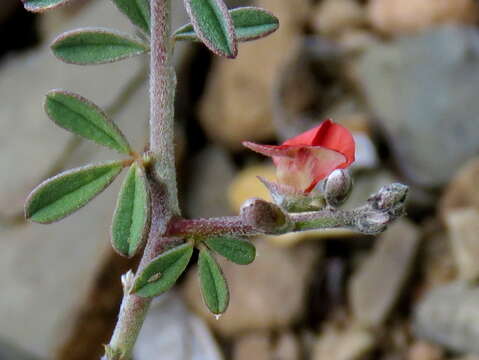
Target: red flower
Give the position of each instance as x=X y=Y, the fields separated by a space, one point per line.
x=306 y=159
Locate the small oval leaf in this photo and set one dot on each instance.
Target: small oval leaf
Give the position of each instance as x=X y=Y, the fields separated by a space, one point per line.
x=132 y=214
x=96 y=46
x=214 y=287
x=80 y=116
x=138 y=11
x=42 y=5
x=213 y=26
x=163 y=271
x=237 y=250
x=250 y=23
x=67 y=192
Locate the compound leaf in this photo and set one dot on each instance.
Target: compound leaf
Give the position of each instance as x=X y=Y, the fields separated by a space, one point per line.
x=213 y=26
x=237 y=250
x=163 y=271
x=138 y=11
x=67 y=192
x=80 y=116
x=214 y=287
x=132 y=214
x=96 y=46
x=250 y=23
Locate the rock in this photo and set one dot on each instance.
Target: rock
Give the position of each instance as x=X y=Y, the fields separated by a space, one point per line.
x=333 y=16
x=246 y=185
x=409 y=16
x=256 y=346
x=237 y=102
x=424 y=351
x=287 y=347
x=437 y=263
x=350 y=343
x=377 y=283
x=398 y=80
x=9 y=352
x=449 y=316
x=260 y=346
x=356 y=41
x=169 y=328
x=462 y=191
x=212 y=171
x=463 y=226
x=268 y=294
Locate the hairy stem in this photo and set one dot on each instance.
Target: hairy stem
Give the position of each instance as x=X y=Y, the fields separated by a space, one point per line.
x=162 y=177
x=372 y=218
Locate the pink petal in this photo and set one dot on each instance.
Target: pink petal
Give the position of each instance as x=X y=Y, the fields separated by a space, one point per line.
x=308 y=167
x=329 y=135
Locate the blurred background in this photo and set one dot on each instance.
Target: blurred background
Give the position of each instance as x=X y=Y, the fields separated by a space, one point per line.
x=403 y=75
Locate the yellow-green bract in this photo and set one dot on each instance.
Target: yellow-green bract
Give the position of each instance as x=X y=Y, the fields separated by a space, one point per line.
x=162 y=272
x=80 y=116
x=132 y=214
x=67 y=192
x=213 y=283
x=96 y=46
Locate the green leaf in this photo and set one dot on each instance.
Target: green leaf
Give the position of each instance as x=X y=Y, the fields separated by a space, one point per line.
x=213 y=26
x=96 y=46
x=80 y=116
x=237 y=250
x=138 y=11
x=42 y=5
x=67 y=192
x=163 y=271
x=132 y=214
x=250 y=23
x=213 y=283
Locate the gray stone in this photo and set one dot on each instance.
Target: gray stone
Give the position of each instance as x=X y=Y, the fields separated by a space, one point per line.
x=172 y=332
x=377 y=284
x=213 y=171
x=254 y=345
x=423 y=91
x=463 y=225
x=9 y=352
x=350 y=343
x=449 y=315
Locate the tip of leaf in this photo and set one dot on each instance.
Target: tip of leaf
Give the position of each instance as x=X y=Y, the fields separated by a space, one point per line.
x=39 y=6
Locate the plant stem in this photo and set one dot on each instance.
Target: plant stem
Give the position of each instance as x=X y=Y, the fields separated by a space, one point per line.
x=162 y=177
x=162 y=97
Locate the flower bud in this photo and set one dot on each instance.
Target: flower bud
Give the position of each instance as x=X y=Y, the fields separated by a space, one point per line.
x=265 y=216
x=372 y=222
x=337 y=188
x=390 y=199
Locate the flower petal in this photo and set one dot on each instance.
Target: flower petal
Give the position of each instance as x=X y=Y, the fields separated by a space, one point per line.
x=329 y=135
x=308 y=167
x=270 y=150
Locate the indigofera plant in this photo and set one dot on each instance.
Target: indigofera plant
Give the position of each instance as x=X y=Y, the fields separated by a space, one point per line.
x=311 y=167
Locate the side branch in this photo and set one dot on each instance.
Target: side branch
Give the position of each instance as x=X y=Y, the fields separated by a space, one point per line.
x=372 y=218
